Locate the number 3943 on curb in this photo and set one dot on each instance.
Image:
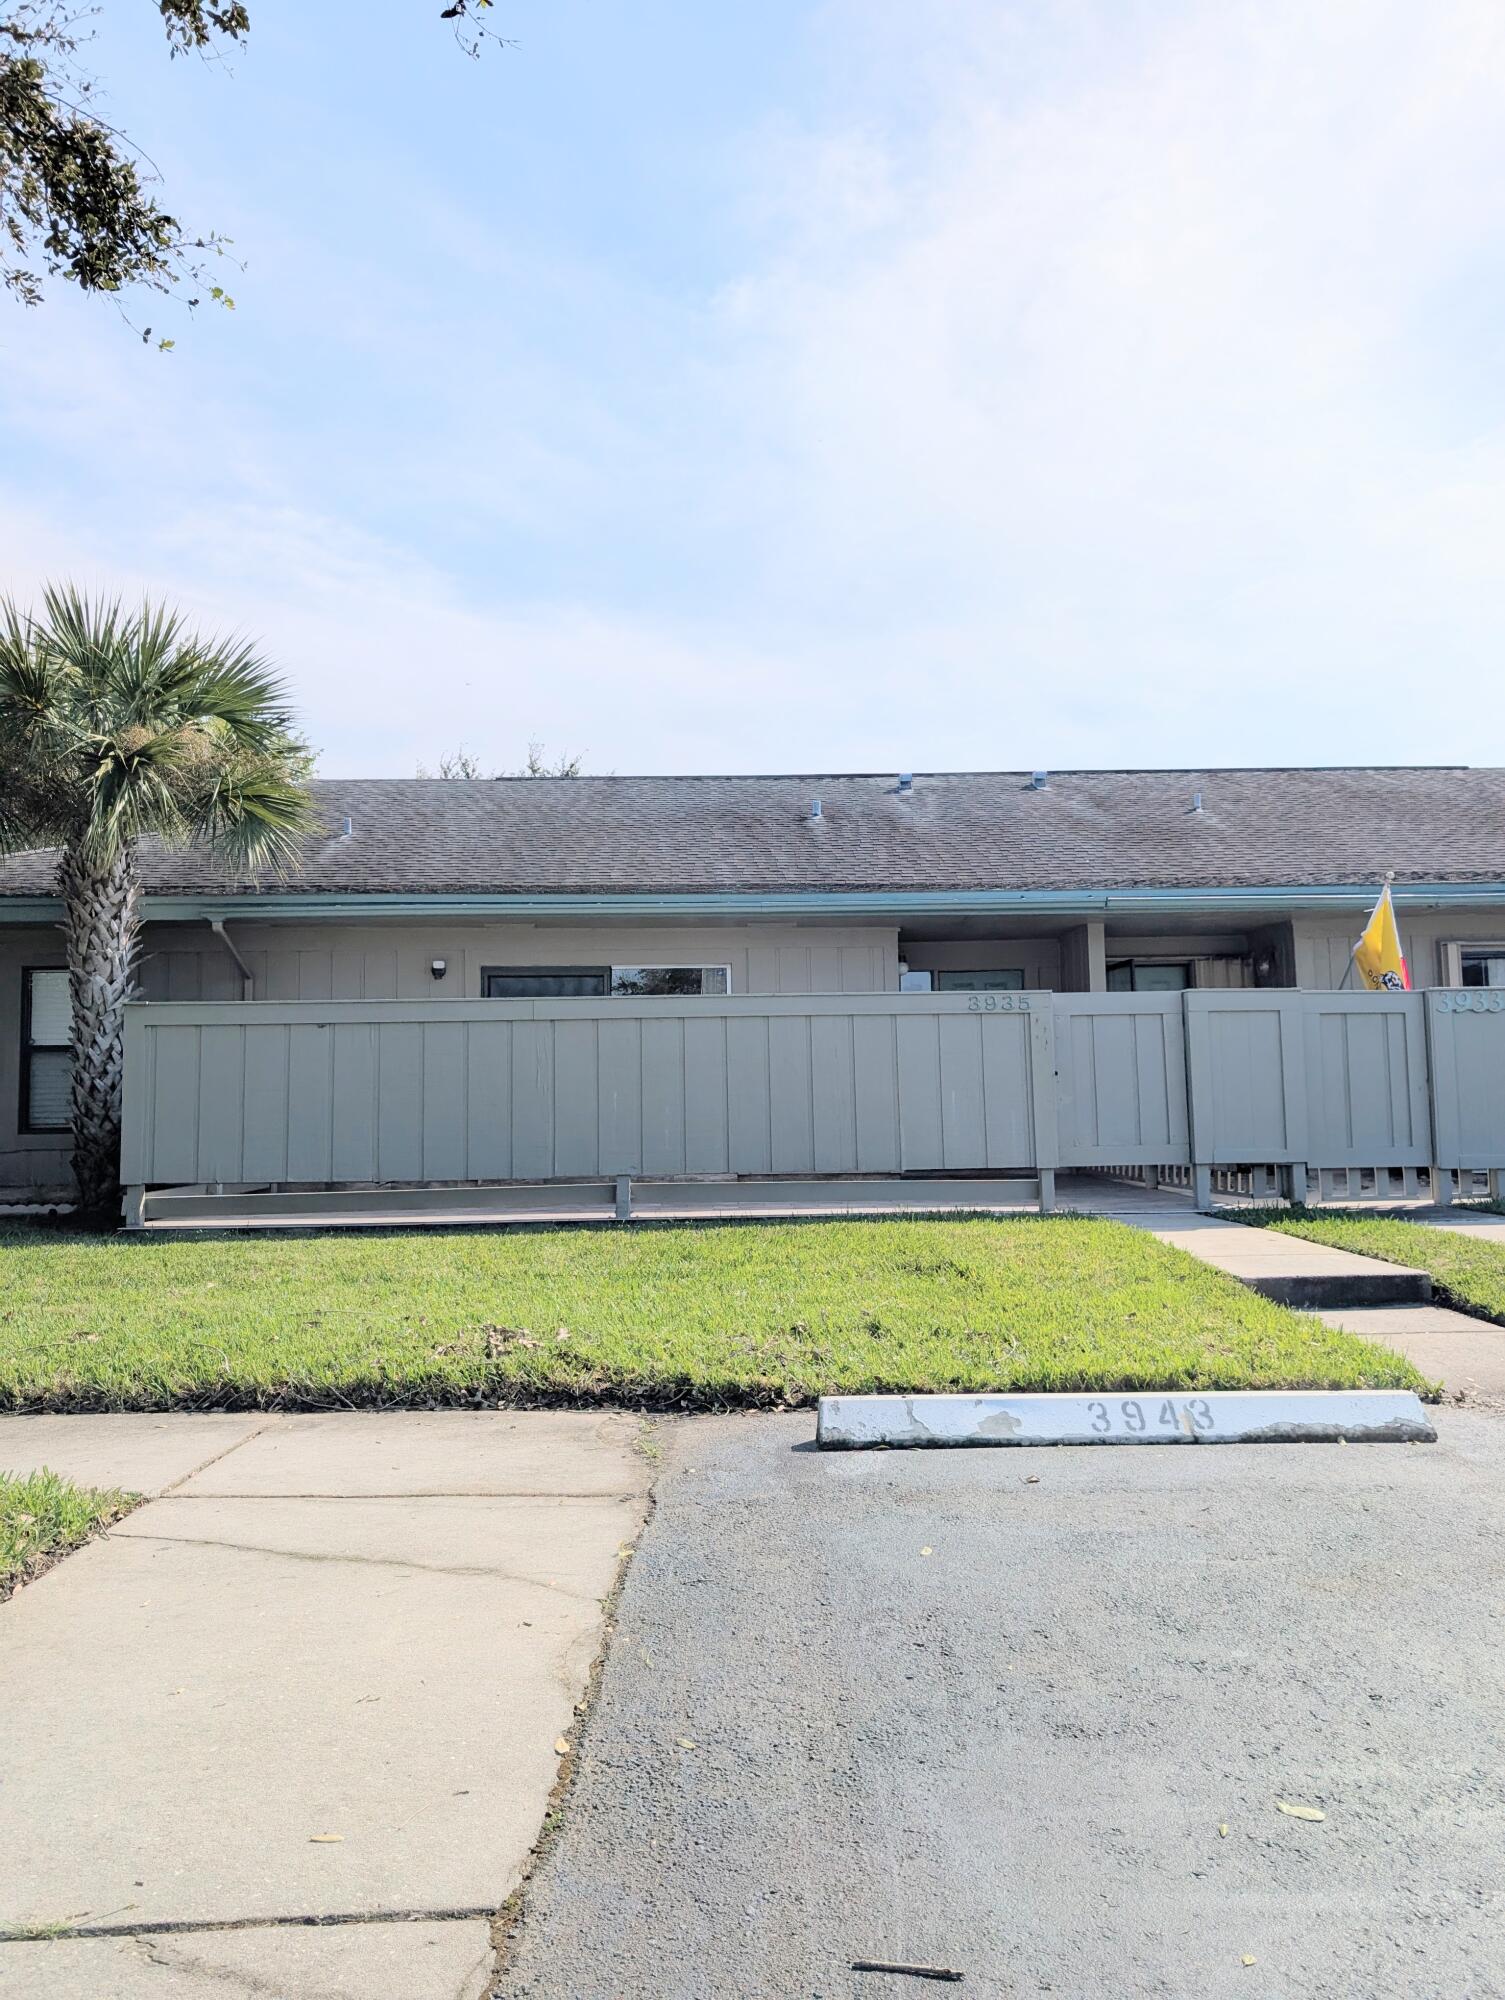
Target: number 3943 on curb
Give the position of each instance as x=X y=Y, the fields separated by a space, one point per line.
x=1136 y=1415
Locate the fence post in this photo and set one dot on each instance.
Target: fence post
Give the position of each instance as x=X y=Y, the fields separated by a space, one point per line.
x=1198 y=1108
x=1044 y=1122
x=624 y=1197
x=1296 y=1183
x=1443 y=1126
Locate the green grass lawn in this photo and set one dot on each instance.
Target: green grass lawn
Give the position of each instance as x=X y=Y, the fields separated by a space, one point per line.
x=42 y=1517
x=707 y=1316
x=1465 y=1271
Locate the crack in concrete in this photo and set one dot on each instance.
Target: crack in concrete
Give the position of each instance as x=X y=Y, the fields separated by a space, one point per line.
x=368 y=1562
x=215 y=1457
x=158 y=1952
x=510 y=1493
x=201 y=1926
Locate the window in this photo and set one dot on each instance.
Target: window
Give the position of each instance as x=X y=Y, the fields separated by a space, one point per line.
x=633 y=981
x=1484 y=967
x=46 y=1052
x=545 y=982
x=1132 y=975
x=1004 y=979
x=595 y=982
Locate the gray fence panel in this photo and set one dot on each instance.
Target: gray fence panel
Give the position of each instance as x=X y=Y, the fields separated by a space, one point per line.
x=331 y=1091
x=1366 y=1079
x=1466 y=1035
x=1121 y=1078
x=1246 y=1077
x=338 y=1091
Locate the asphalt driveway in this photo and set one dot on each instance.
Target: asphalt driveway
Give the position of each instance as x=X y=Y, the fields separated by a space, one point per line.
x=1028 y=1715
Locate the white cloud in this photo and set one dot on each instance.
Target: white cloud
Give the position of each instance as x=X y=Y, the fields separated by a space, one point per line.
x=1097 y=384
x=1129 y=374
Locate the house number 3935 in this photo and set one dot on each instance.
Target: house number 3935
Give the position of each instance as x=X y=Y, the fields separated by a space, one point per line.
x=998 y=1003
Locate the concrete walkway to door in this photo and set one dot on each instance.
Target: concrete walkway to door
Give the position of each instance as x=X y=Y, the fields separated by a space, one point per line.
x=1389 y=1303
x=290 y=1728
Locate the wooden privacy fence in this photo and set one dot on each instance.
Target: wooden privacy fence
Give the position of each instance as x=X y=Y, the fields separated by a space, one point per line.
x=1193 y=1085
x=1338 y=1090
x=390 y=1090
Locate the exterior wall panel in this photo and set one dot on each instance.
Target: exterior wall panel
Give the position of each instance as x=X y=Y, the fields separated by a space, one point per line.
x=317 y=960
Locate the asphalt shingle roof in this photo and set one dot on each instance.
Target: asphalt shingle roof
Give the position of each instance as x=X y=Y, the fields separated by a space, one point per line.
x=957 y=830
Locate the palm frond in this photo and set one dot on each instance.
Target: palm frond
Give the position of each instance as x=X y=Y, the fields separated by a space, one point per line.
x=87 y=633
x=118 y=724
x=229 y=682
x=129 y=801
x=256 y=818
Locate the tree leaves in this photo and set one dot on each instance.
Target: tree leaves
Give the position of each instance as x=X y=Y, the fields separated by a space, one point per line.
x=118 y=725
x=74 y=192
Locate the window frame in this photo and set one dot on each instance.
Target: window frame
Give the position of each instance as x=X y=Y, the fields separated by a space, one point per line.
x=1010 y=978
x=24 y=1125
x=1161 y=963
x=1454 y=949
x=701 y=966
x=601 y=972
x=607 y=974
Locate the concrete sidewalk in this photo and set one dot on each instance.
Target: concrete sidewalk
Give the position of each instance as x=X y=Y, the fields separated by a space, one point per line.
x=319 y=1678
x=1287 y=1268
x=1390 y=1303
x=1484 y=1224
x=1467 y=1356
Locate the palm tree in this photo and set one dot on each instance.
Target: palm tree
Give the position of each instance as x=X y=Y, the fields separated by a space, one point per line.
x=118 y=726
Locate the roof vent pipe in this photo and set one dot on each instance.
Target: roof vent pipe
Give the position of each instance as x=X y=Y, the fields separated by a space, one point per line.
x=815 y=811
x=1196 y=803
x=906 y=781
x=347 y=827
x=1039 y=781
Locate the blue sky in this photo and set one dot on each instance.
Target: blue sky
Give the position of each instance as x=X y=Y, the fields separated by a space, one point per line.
x=952 y=384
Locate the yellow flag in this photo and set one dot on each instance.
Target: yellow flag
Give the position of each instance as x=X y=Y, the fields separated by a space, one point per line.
x=1381 y=962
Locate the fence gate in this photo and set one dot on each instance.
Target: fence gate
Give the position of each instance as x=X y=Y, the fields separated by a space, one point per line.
x=1121 y=1080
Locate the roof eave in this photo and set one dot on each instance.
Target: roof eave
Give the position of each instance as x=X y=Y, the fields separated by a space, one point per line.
x=882 y=905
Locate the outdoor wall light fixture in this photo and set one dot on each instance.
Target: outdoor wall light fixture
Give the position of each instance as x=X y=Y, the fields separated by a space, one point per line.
x=438 y=967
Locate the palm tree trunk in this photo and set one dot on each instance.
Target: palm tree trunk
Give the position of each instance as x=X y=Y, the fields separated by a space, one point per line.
x=101 y=924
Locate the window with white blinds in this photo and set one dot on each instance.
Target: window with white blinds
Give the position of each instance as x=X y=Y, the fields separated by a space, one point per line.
x=46 y=1053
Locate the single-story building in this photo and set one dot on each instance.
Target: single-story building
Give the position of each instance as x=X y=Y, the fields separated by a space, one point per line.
x=510 y=889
